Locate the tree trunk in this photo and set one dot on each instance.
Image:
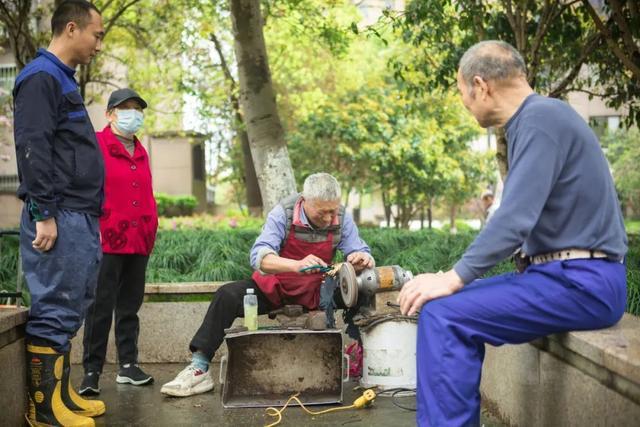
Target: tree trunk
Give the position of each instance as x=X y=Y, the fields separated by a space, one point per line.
x=387 y=208
x=252 y=189
x=501 y=152
x=452 y=218
x=257 y=99
x=430 y=213
x=254 y=199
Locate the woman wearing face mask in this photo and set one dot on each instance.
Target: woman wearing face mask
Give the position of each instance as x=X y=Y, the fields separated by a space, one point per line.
x=128 y=229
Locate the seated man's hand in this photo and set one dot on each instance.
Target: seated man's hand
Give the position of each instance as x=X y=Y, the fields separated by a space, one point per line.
x=360 y=260
x=425 y=287
x=309 y=261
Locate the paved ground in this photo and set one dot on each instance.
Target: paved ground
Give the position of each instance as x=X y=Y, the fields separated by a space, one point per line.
x=145 y=406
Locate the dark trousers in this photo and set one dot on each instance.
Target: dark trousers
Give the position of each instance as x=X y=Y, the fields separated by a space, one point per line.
x=120 y=288
x=61 y=281
x=227 y=304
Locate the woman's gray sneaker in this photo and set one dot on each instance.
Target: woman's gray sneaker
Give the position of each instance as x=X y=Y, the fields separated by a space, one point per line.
x=131 y=373
x=89 y=386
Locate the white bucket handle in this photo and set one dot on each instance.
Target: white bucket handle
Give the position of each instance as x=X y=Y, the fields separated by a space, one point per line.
x=223 y=369
x=347 y=367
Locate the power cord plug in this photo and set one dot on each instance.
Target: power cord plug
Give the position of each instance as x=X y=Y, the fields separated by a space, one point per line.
x=367 y=398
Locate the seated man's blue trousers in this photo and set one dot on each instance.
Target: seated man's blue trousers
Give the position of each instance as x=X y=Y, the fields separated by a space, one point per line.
x=61 y=281
x=510 y=308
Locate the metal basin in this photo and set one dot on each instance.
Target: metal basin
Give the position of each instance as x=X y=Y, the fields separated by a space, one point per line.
x=265 y=367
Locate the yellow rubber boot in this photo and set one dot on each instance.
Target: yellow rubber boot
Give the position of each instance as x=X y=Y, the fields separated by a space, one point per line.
x=44 y=380
x=73 y=401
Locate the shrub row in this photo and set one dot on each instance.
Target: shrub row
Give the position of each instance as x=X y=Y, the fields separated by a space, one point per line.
x=220 y=255
x=170 y=206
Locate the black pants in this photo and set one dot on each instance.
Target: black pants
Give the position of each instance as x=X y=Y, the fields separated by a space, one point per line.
x=227 y=304
x=120 y=288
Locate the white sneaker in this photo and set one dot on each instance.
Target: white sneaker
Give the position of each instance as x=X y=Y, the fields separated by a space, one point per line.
x=188 y=382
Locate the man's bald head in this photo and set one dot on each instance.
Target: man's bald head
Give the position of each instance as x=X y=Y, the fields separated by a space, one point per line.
x=491 y=60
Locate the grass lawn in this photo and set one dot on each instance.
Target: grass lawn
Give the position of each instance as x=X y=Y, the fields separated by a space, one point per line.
x=633 y=226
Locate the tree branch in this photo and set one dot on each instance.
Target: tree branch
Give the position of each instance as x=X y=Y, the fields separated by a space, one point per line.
x=477 y=22
x=7 y=17
x=118 y=14
x=106 y=5
x=633 y=9
x=541 y=30
x=103 y=82
x=589 y=47
x=223 y=61
x=588 y=92
x=627 y=61
x=627 y=36
x=509 y=12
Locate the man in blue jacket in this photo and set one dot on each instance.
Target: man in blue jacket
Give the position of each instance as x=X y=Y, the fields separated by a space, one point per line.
x=61 y=178
x=559 y=203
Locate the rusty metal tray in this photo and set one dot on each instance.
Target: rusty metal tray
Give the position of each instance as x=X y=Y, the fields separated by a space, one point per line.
x=265 y=367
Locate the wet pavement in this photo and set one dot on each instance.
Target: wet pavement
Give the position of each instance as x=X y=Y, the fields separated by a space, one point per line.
x=129 y=405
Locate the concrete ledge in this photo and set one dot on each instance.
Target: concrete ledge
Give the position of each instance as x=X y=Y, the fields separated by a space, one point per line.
x=13 y=378
x=187 y=288
x=616 y=349
x=572 y=379
x=11 y=317
x=166 y=328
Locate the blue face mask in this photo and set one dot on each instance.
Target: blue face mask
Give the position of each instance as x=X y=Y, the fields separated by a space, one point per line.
x=129 y=121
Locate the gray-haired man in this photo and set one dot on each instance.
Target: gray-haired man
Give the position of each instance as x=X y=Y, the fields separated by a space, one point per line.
x=559 y=203
x=303 y=231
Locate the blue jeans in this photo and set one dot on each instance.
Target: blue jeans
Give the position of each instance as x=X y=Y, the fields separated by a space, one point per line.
x=61 y=281
x=507 y=309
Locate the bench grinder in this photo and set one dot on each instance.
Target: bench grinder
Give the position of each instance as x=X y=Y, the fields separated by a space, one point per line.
x=370 y=281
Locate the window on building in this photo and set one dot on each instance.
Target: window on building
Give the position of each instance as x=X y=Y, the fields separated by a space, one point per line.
x=197 y=158
x=602 y=124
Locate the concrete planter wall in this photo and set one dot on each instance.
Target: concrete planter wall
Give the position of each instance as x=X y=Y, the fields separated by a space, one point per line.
x=575 y=379
x=13 y=374
x=589 y=378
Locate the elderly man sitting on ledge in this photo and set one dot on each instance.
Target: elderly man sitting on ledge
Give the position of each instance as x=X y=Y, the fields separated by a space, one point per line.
x=303 y=231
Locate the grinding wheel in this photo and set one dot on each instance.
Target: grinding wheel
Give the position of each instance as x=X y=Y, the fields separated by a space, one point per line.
x=348 y=284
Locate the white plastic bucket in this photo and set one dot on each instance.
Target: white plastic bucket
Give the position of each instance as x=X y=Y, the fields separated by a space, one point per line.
x=389 y=353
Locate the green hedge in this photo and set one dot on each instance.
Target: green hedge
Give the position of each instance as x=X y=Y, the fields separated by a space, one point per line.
x=170 y=206
x=213 y=255
x=219 y=255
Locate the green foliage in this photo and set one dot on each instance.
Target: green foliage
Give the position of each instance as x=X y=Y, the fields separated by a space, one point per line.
x=201 y=255
x=145 y=42
x=614 y=79
x=550 y=47
x=555 y=38
x=175 y=205
x=186 y=255
x=223 y=255
x=633 y=275
x=231 y=220
x=633 y=227
x=368 y=132
x=623 y=151
x=8 y=263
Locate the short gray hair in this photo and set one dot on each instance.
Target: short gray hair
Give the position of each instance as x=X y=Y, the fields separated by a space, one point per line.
x=491 y=60
x=321 y=186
